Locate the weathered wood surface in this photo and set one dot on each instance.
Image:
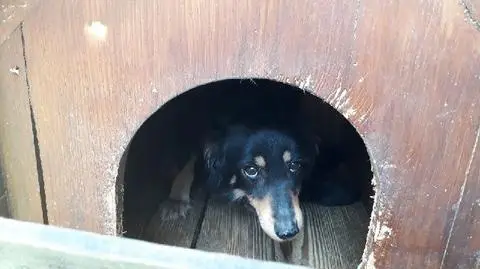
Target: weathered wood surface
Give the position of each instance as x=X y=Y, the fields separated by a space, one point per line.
x=35 y=246
x=17 y=151
x=465 y=229
x=234 y=230
x=404 y=73
x=334 y=237
x=12 y=13
x=417 y=84
x=90 y=93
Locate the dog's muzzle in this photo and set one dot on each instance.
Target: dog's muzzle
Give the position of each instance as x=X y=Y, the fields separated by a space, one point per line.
x=279 y=214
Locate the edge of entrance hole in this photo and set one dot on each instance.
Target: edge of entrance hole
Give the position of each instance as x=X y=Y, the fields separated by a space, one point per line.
x=368 y=258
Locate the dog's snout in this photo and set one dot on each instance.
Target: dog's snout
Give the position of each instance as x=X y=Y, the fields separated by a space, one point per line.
x=287 y=231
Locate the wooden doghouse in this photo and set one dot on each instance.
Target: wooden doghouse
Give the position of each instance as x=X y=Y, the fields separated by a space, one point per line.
x=79 y=78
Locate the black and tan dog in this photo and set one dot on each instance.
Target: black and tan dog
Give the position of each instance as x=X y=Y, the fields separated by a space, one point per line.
x=261 y=167
x=260 y=155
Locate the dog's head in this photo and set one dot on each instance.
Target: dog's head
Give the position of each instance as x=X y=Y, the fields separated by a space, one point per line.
x=265 y=168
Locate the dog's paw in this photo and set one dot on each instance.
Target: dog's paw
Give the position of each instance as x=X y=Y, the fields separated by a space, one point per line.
x=173 y=209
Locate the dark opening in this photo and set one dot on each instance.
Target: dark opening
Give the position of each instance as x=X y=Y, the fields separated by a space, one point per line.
x=335 y=236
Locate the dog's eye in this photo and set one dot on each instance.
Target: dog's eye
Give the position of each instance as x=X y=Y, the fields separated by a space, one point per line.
x=294 y=166
x=250 y=171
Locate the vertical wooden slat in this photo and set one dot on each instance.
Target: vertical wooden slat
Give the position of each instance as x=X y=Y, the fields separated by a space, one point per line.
x=417 y=78
x=17 y=151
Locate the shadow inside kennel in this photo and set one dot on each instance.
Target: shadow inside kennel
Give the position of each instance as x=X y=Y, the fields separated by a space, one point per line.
x=335 y=235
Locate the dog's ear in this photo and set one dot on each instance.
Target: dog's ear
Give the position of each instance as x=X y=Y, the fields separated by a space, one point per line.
x=214 y=159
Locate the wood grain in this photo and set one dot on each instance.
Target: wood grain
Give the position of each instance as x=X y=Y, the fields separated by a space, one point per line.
x=17 y=151
x=463 y=244
x=335 y=236
x=234 y=230
x=12 y=13
x=417 y=84
x=404 y=73
x=90 y=95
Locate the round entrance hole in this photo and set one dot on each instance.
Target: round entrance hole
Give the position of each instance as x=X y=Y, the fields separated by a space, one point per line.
x=335 y=199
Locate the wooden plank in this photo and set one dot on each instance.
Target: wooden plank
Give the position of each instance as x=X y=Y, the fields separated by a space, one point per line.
x=335 y=236
x=17 y=150
x=234 y=230
x=12 y=13
x=180 y=232
x=35 y=246
x=417 y=85
x=112 y=63
x=4 y=211
x=463 y=244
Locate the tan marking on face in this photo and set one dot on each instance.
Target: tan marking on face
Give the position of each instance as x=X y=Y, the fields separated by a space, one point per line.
x=287 y=156
x=238 y=194
x=263 y=207
x=298 y=211
x=260 y=161
x=233 y=180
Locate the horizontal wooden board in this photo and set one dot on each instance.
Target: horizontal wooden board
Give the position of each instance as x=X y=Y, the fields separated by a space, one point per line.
x=335 y=236
x=36 y=246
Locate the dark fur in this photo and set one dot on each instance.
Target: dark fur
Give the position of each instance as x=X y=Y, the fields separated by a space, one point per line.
x=332 y=183
x=228 y=153
x=259 y=124
x=236 y=148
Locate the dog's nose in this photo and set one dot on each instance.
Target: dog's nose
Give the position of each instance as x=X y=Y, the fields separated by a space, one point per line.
x=288 y=233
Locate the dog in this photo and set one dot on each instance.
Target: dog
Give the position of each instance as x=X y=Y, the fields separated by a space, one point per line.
x=260 y=155
x=262 y=168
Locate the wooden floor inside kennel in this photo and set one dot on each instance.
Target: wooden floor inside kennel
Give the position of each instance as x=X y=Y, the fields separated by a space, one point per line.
x=334 y=236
